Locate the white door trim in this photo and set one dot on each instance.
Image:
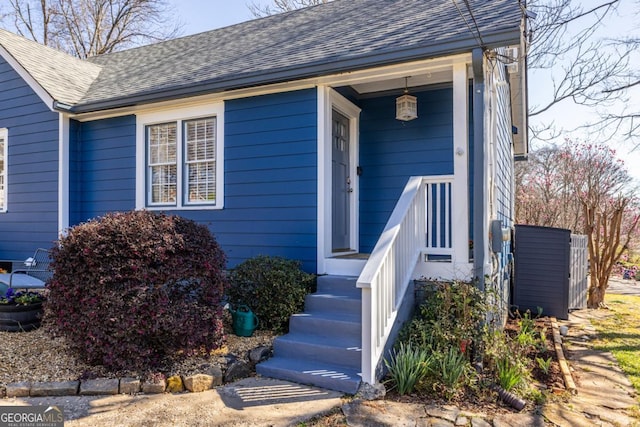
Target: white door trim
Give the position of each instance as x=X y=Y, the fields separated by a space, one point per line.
x=328 y=100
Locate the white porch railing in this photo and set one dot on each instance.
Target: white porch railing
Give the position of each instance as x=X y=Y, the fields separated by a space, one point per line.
x=420 y=221
x=439 y=233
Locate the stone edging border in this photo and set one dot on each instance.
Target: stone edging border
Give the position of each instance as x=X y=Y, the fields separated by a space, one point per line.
x=236 y=369
x=564 y=366
x=112 y=386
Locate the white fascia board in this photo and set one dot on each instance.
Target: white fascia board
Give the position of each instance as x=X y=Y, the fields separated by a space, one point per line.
x=28 y=78
x=341 y=79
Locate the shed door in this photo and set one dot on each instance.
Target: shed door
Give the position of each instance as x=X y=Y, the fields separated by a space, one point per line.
x=341 y=183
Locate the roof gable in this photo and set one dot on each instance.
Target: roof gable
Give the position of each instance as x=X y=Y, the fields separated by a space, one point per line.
x=64 y=78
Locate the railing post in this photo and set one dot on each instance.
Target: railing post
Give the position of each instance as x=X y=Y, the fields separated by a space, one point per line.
x=368 y=310
x=460 y=186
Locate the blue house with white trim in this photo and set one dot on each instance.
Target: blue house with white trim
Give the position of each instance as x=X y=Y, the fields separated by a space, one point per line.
x=280 y=134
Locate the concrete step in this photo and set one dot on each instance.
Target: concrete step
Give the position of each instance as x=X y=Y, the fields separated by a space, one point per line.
x=332 y=303
x=323 y=347
x=336 y=349
x=339 y=285
x=324 y=324
x=332 y=377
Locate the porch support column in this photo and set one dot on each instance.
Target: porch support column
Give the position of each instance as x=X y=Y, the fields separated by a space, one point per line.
x=460 y=190
x=480 y=220
x=63 y=173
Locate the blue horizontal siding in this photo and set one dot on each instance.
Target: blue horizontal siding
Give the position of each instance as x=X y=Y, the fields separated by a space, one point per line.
x=270 y=176
x=103 y=167
x=270 y=173
x=32 y=217
x=391 y=151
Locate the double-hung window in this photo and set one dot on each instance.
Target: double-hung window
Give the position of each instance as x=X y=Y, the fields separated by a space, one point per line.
x=182 y=159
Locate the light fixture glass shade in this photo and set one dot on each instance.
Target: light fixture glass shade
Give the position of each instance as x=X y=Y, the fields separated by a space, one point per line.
x=406 y=107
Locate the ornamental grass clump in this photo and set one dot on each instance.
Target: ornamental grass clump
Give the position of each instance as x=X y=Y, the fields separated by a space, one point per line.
x=408 y=365
x=130 y=290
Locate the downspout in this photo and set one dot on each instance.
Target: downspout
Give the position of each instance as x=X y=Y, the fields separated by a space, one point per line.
x=479 y=243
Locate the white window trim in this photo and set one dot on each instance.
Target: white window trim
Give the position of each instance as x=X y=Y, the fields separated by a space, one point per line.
x=179 y=115
x=4 y=134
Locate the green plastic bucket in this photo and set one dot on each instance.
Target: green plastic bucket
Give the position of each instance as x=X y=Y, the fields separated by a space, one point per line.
x=244 y=321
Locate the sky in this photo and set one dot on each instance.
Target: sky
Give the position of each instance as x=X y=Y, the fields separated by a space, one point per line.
x=203 y=15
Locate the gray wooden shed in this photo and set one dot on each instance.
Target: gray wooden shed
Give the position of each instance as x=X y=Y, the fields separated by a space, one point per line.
x=544 y=263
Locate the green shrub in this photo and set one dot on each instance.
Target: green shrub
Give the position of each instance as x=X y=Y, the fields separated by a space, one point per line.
x=273 y=287
x=131 y=289
x=407 y=366
x=453 y=314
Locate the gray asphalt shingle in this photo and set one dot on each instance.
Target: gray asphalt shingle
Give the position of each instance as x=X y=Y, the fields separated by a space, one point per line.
x=65 y=78
x=337 y=36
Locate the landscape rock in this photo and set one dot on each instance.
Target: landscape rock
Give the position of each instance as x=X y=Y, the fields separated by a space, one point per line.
x=449 y=413
x=510 y=420
x=100 y=386
x=479 y=422
x=384 y=413
x=18 y=389
x=198 y=383
x=433 y=422
x=174 y=384
x=259 y=354
x=216 y=373
x=237 y=370
x=371 y=391
x=129 y=385
x=64 y=388
x=154 y=387
x=461 y=421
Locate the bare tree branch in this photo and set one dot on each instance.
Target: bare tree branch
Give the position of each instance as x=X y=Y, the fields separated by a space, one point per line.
x=259 y=10
x=92 y=27
x=584 y=68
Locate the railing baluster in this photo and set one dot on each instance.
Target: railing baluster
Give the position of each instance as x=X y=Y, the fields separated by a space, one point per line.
x=421 y=216
x=447 y=216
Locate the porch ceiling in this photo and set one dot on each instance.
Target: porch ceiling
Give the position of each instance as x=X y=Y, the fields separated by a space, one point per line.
x=414 y=80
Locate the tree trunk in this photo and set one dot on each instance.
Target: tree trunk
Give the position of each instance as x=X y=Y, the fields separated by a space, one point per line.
x=596 y=296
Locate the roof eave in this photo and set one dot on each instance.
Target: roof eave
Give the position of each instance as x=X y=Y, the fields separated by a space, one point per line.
x=505 y=37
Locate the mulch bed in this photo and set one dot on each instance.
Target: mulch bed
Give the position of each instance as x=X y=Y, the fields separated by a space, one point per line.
x=488 y=402
x=37 y=356
x=553 y=379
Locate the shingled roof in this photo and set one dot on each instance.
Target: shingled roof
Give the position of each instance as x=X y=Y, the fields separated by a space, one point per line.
x=338 y=36
x=65 y=78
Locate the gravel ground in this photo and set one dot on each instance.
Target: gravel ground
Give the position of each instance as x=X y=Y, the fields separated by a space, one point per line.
x=37 y=356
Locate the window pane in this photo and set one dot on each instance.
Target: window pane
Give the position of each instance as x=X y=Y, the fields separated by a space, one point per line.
x=200 y=161
x=163 y=168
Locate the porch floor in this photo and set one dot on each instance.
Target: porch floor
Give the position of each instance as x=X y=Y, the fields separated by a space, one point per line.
x=353 y=256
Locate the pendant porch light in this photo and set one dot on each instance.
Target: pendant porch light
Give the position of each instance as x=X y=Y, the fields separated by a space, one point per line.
x=406 y=105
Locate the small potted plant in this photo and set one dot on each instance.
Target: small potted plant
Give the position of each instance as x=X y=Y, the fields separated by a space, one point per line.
x=20 y=310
